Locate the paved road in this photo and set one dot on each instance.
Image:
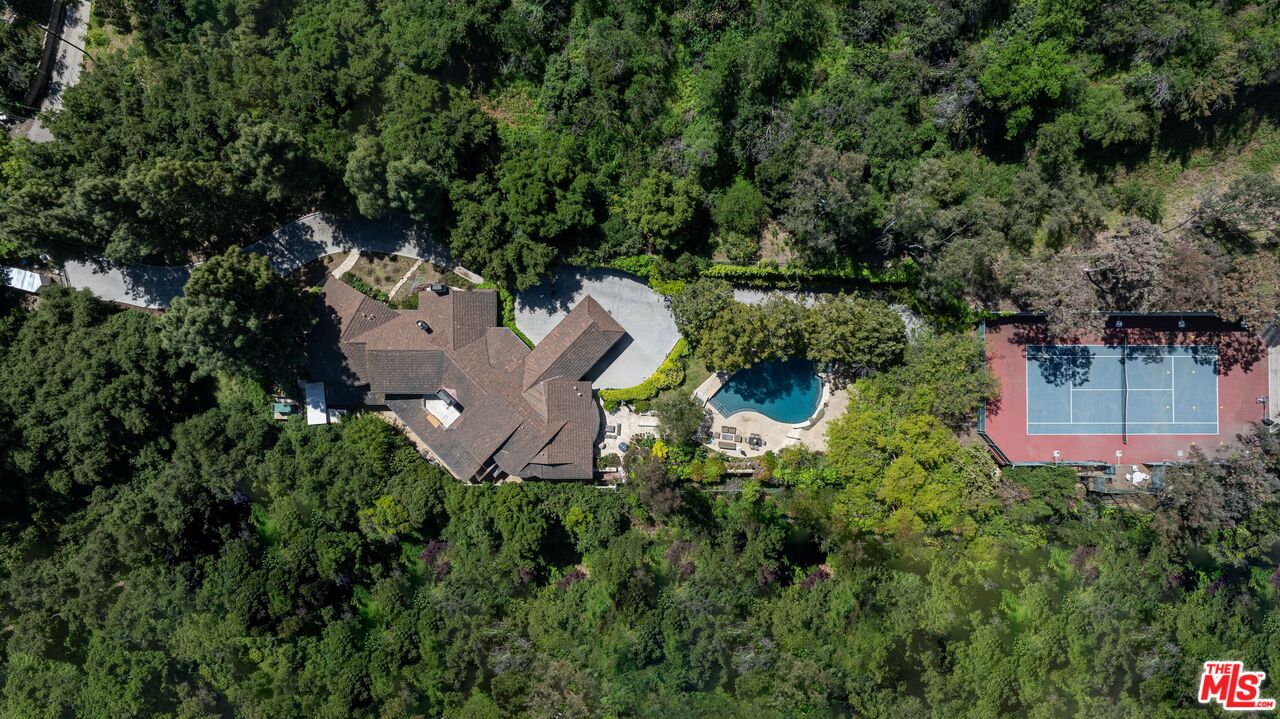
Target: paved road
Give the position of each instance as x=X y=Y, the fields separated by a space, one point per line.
x=292 y=246
x=642 y=312
x=66 y=66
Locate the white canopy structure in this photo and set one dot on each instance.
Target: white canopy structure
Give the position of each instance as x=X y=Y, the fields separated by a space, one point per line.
x=21 y=279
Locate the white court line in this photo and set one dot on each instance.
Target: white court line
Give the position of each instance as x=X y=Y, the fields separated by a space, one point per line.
x=1114 y=422
x=1131 y=389
x=1200 y=353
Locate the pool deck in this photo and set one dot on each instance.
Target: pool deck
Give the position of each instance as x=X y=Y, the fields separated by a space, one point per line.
x=812 y=433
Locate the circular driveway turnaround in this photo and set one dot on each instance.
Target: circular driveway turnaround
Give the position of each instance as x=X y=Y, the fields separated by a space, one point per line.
x=643 y=313
x=288 y=248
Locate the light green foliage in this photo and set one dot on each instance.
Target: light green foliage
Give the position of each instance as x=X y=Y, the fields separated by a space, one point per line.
x=385 y=520
x=1021 y=72
x=904 y=473
x=943 y=375
x=669 y=375
x=853 y=333
x=681 y=419
x=845 y=333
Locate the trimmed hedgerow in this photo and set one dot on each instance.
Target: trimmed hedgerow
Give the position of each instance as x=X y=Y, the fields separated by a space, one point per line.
x=668 y=375
x=508 y=303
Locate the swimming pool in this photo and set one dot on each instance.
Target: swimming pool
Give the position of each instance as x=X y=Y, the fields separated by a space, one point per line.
x=785 y=391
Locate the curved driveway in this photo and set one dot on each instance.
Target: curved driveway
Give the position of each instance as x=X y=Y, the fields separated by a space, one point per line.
x=292 y=246
x=642 y=312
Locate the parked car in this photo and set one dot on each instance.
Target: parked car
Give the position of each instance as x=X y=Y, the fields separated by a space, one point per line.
x=422 y=325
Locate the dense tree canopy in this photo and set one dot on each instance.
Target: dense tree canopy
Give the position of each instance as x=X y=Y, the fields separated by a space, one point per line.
x=236 y=315
x=972 y=139
x=211 y=562
x=167 y=549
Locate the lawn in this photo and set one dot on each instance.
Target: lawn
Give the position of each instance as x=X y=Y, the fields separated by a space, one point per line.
x=695 y=373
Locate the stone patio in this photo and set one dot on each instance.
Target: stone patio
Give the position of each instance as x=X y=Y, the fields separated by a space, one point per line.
x=776 y=435
x=634 y=425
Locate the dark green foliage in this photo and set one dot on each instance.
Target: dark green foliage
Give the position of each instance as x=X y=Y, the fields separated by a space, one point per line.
x=228 y=564
x=20 y=44
x=959 y=136
x=169 y=550
x=682 y=419
x=83 y=389
x=237 y=316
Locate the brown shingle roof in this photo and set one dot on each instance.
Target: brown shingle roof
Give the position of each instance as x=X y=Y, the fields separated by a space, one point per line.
x=574 y=346
x=394 y=372
x=473 y=314
x=375 y=355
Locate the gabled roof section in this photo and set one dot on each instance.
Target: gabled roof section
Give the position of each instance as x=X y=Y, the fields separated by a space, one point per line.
x=369 y=315
x=473 y=314
x=527 y=412
x=416 y=372
x=574 y=346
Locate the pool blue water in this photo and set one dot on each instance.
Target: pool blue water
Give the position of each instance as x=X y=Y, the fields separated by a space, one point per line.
x=786 y=391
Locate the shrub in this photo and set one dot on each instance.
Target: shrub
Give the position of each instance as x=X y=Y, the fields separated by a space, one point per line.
x=453 y=279
x=769 y=276
x=508 y=303
x=639 y=265
x=669 y=375
x=740 y=248
x=408 y=302
x=365 y=288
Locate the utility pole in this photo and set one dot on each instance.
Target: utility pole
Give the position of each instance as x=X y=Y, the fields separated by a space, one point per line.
x=47 y=31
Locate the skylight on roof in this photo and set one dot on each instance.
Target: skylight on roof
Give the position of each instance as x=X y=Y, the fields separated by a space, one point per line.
x=443 y=407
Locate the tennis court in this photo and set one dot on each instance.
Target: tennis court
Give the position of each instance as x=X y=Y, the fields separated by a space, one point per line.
x=1122 y=390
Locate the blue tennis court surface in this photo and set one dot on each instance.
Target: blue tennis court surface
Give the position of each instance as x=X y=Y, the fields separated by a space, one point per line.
x=1141 y=389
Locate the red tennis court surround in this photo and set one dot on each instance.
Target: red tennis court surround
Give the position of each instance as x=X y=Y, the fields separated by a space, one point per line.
x=1241 y=382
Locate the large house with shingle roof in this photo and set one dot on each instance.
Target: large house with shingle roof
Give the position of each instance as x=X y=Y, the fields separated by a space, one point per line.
x=484 y=403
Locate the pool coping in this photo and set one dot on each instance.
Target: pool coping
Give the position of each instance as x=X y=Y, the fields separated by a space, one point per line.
x=711 y=385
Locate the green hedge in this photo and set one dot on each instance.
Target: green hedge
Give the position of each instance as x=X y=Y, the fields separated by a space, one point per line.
x=670 y=374
x=508 y=303
x=765 y=276
x=640 y=265
x=364 y=288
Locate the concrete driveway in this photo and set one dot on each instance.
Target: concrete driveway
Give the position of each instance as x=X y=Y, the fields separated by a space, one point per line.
x=292 y=246
x=641 y=311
